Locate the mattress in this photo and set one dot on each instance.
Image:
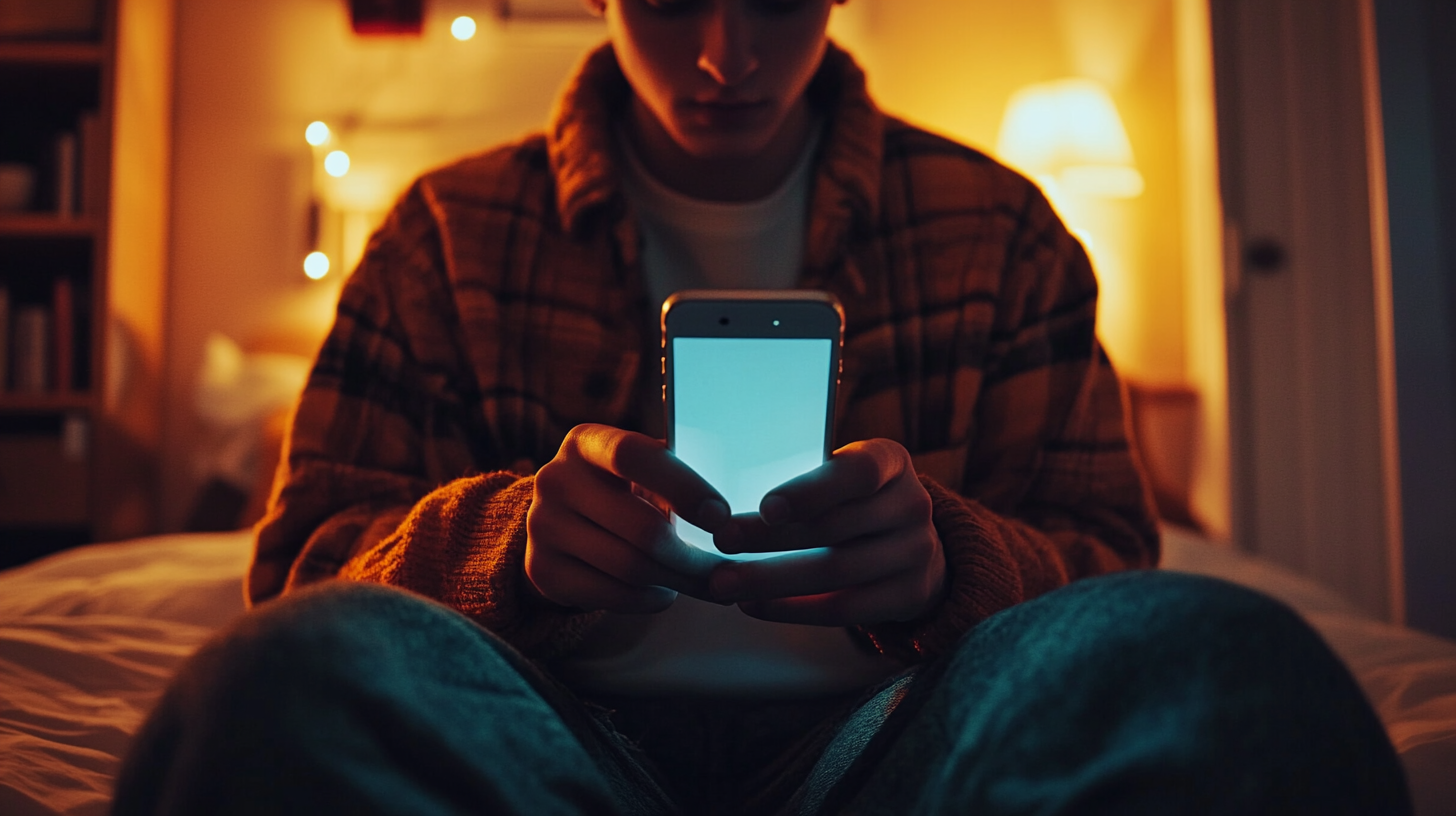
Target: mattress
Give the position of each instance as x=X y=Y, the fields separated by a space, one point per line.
x=89 y=638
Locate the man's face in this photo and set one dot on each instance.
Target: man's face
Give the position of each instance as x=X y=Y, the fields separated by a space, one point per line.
x=720 y=77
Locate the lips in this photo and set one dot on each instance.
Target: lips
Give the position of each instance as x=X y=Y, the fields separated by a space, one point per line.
x=725 y=113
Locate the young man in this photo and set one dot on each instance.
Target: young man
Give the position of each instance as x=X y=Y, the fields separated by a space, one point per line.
x=482 y=429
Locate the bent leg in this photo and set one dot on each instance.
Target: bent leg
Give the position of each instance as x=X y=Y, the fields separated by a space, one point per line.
x=1144 y=692
x=354 y=698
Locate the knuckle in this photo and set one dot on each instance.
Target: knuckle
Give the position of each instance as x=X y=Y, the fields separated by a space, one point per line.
x=613 y=453
x=919 y=504
x=575 y=438
x=548 y=480
x=870 y=471
x=621 y=450
x=538 y=528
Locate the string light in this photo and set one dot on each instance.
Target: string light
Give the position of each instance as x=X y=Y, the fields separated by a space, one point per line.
x=463 y=28
x=316 y=265
x=317 y=133
x=336 y=163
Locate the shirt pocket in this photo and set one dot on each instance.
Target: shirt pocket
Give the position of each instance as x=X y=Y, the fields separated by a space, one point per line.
x=583 y=370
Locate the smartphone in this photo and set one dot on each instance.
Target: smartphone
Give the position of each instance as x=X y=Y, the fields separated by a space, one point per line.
x=749 y=386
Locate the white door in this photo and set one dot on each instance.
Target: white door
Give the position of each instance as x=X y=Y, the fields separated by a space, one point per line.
x=1314 y=476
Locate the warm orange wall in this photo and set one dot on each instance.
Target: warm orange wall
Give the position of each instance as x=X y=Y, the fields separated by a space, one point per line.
x=951 y=65
x=250 y=76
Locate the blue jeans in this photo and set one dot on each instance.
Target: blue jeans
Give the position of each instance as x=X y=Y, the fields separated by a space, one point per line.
x=1142 y=692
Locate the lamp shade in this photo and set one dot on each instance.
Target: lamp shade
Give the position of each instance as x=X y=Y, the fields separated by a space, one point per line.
x=1069 y=131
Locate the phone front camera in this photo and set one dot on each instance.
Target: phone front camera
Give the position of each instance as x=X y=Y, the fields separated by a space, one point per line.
x=776 y=322
x=722 y=321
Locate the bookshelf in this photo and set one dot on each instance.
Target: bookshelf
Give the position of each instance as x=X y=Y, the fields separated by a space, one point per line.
x=84 y=143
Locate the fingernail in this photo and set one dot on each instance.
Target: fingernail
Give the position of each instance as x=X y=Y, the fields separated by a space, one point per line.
x=711 y=514
x=774 y=510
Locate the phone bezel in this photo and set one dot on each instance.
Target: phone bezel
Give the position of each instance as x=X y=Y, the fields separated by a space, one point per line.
x=750 y=313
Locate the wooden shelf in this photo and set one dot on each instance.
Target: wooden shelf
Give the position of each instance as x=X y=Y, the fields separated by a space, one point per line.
x=45 y=403
x=46 y=87
x=45 y=225
x=52 y=53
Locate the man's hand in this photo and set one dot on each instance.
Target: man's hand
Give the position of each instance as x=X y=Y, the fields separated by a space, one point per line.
x=597 y=533
x=864 y=548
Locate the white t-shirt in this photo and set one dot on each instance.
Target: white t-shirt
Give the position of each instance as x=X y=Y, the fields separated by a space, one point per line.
x=695 y=647
x=689 y=243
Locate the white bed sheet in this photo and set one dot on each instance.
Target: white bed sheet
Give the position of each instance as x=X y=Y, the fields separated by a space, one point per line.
x=89 y=637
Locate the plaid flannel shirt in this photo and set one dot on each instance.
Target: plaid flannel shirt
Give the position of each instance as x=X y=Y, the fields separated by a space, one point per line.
x=502 y=303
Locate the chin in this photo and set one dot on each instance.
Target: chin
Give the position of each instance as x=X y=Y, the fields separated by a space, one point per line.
x=721 y=146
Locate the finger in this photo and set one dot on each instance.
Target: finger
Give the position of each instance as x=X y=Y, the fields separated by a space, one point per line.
x=568 y=487
x=568 y=581
x=642 y=524
x=642 y=460
x=903 y=504
x=895 y=599
x=632 y=567
x=585 y=539
x=853 y=472
x=810 y=572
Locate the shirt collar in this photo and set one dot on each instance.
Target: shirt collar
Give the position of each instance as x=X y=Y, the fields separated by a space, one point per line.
x=845 y=187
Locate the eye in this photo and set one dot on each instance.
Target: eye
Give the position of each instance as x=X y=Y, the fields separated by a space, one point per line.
x=781 y=8
x=672 y=8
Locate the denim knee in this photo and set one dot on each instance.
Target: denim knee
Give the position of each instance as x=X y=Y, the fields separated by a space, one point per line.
x=345 y=629
x=1140 y=633
x=1144 y=681
x=1160 y=608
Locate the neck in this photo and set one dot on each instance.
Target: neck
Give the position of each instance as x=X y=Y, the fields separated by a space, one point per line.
x=720 y=178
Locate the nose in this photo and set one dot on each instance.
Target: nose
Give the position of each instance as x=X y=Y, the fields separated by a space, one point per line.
x=728 y=54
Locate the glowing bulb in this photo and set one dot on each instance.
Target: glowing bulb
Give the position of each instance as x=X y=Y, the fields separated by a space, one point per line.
x=316 y=265
x=336 y=163
x=317 y=133
x=463 y=28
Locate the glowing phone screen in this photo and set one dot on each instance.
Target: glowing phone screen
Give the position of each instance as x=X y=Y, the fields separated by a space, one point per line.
x=748 y=415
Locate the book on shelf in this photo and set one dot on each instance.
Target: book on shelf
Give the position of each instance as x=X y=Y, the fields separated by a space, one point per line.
x=30 y=349
x=81 y=333
x=66 y=173
x=92 y=152
x=63 y=310
x=40 y=20
x=4 y=339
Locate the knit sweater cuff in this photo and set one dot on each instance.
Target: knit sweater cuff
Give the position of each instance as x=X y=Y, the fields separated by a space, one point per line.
x=465 y=546
x=981 y=574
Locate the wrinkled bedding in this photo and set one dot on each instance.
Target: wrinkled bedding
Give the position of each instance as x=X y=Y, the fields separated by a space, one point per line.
x=89 y=637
